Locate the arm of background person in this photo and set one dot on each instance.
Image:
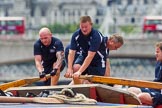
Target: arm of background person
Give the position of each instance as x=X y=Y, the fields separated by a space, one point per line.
x=71 y=56
x=69 y=71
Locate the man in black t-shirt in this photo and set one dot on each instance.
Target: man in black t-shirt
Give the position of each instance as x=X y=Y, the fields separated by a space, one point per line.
x=49 y=54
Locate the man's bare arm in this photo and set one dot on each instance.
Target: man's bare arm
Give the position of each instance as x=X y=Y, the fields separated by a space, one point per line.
x=60 y=57
x=38 y=60
x=71 y=58
x=108 y=68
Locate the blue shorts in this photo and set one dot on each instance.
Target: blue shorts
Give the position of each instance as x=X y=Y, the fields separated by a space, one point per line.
x=67 y=53
x=79 y=60
x=49 y=69
x=91 y=70
x=148 y=90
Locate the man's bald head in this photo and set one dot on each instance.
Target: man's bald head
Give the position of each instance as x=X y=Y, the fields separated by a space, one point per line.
x=45 y=31
x=45 y=36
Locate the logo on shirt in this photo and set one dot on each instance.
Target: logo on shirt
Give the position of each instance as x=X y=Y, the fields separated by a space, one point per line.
x=53 y=50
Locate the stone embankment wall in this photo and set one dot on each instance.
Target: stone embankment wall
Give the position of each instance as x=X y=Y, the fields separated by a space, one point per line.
x=22 y=50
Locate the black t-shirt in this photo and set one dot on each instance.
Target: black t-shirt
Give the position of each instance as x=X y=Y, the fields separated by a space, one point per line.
x=48 y=53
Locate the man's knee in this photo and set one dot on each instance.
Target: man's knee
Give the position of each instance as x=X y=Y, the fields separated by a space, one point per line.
x=145 y=98
x=76 y=67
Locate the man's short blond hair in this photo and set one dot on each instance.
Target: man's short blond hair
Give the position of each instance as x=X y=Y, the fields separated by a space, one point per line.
x=159 y=45
x=84 y=19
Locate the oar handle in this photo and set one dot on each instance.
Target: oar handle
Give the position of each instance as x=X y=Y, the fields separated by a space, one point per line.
x=48 y=76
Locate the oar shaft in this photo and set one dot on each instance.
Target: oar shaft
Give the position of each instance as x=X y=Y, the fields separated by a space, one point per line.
x=22 y=82
x=122 y=81
x=5 y=99
x=16 y=83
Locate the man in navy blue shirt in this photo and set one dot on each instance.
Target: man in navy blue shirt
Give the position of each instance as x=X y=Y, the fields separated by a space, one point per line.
x=93 y=52
x=152 y=96
x=109 y=41
x=48 y=54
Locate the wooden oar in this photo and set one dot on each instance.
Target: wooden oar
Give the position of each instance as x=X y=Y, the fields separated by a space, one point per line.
x=5 y=99
x=122 y=81
x=22 y=82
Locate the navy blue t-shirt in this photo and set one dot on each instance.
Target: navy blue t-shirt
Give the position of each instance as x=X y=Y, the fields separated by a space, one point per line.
x=93 y=42
x=158 y=72
x=158 y=78
x=86 y=43
x=101 y=54
x=48 y=53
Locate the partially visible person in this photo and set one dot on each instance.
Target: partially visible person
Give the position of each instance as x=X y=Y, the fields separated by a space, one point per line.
x=152 y=96
x=49 y=56
x=112 y=42
x=93 y=47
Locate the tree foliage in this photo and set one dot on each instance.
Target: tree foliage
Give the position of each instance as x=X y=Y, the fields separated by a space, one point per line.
x=59 y=28
x=67 y=28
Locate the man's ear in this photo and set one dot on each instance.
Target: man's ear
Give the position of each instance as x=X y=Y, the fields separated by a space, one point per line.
x=111 y=41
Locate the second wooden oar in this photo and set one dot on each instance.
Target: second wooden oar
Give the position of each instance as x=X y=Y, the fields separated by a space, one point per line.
x=122 y=81
x=5 y=99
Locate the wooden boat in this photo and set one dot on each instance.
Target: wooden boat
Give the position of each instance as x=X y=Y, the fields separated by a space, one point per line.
x=99 y=92
x=104 y=94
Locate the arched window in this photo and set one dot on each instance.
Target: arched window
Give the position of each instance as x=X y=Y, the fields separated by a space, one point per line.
x=43 y=11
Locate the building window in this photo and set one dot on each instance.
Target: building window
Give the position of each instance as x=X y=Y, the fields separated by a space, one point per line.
x=6 y=12
x=79 y=13
x=109 y=2
x=86 y=13
x=32 y=11
x=43 y=11
x=100 y=12
x=138 y=2
x=63 y=13
x=55 y=13
x=129 y=2
x=97 y=21
x=133 y=20
x=145 y=2
x=154 y=1
x=118 y=2
x=69 y=13
x=73 y=12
